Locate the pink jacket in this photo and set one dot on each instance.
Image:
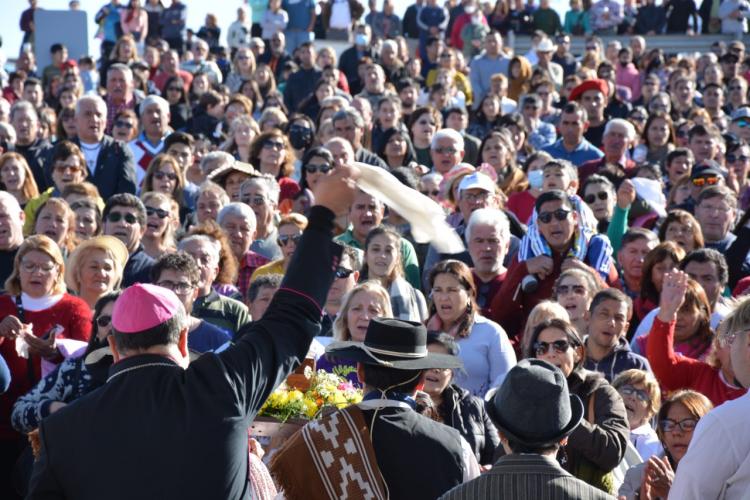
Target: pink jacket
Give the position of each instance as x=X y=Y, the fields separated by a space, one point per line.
x=629 y=77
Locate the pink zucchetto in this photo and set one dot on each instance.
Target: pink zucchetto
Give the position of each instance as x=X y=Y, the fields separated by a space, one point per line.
x=142 y=307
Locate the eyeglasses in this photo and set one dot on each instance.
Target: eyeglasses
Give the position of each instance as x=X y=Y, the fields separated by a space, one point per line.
x=732 y=158
x=31 y=267
x=560 y=214
x=180 y=288
x=736 y=87
x=686 y=425
x=66 y=168
x=323 y=169
x=342 y=272
x=122 y=124
x=475 y=197
x=591 y=198
x=165 y=175
x=174 y=89
x=103 y=321
x=273 y=145
x=638 y=118
x=728 y=338
x=434 y=192
x=162 y=214
x=445 y=150
x=117 y=216
x=542 y=348
x=284 y=239
x=629 y=390
x=591 y=47
x=701 y=181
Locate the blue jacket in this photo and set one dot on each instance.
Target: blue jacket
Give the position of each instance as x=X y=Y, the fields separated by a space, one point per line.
x=619 y=360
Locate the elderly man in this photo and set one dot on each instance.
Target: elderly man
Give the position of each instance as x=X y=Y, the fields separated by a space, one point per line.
x=572 y=145
x=110 y=162
x=226 y=313
x=11 y=233
x=170 y=67
x=446 y=150
x=618 y=136
x=394 y=68
x=277 y=56
x=715 y=211
x=554 y=71
x=24 y=118
x=201 y=63
x=121 y=92
x=341 y=149
x=150 y=142
x=486 y=64
x=349 y=124
x=301 y=83
x=212 y=399
x=366 y=213
x=261 y=194
x=374 y=85
x=124 y=217
x=487 y=239
x=558 y=225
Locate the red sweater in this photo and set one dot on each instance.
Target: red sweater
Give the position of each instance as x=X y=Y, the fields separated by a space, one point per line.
x=675 y=371
x=71 y=313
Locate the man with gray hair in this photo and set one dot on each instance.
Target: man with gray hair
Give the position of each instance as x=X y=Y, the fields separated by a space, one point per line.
x=154 y=112
x=121 y=92
x=341 y=149
x=446 y=150
x=224 y=312
x=11 y=233
x=25 y=120
x=487 y=239
x=261 y=194
x=110 y=163
x=201 y=63
x=349 y=124
x=619 y=134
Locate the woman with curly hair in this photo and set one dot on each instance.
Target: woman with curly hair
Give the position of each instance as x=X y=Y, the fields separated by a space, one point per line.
x=224 y=283
x=271 y=153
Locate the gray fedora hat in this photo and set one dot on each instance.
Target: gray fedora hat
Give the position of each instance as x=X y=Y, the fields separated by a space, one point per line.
x=533 y=405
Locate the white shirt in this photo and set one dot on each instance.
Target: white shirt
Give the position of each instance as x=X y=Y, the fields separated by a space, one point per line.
x=341 y=18
x=646 y=441
x=717 y=463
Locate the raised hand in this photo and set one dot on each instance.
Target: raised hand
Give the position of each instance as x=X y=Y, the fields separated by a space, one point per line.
x=336 y=191
x=672 y=297
x=625 y=194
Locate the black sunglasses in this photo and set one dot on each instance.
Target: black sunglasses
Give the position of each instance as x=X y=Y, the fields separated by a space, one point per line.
x=116 y=216
x=560 y=346
x=122 y=124
x=560 y=214
x=165 y=175
x=103 y=321
x=323 y=169
x=591 y=198
x=732 y=158
x=162 y=214
x=342 y=272
x=434 y=192
x=285 y=238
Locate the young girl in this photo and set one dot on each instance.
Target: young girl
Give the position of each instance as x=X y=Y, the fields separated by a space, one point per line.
x=383 y=264
x=161 y=222
x=574 y=290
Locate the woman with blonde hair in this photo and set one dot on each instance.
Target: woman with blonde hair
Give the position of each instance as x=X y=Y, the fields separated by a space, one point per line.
x=164 y=175
x=55 y=219
x=272 y=118
x=642 y=397
x=162 y=220
x=17 y=178
x=95 y=268
x=243 y=68
x=242 y=131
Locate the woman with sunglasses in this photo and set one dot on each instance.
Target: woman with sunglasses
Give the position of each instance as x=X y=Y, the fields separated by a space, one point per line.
x=161 y=223
x=271 y=153
x=316 y=163
x=598 y=445
x=713 y=377
x=180 y=113
x=164 y=175
x=738 y=165
x=289 y=233
x=75 y=377
x=642 y=397
x=677 y=419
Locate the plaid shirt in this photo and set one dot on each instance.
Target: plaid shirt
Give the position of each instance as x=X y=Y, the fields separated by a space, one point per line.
x=249 y=263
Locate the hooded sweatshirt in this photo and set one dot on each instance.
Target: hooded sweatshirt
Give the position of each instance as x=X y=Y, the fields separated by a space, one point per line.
x=620 y=359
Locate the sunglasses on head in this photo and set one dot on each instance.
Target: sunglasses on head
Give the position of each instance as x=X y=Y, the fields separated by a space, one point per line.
x=560 y=214
x=591 y=198
x=701 y=181
x=342 y=272
x=560 y=347
x=285 y=239
x=116 y=216
x=162 y=214
x=103 y=321
x=323 y=169
x=164 y=175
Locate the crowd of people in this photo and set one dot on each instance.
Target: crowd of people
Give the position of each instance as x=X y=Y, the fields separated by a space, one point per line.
x=178 y=202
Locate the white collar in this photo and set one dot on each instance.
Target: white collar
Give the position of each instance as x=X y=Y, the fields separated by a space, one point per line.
x=39 y=304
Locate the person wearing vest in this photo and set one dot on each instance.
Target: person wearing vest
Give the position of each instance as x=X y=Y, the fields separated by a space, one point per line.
x=154 y=116
x=395 y=452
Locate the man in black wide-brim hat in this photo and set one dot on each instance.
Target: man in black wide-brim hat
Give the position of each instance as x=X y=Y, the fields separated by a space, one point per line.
x=390 y=449
x=534 y=414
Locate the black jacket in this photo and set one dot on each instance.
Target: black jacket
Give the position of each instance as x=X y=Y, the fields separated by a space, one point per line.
x=138 y=268
x=349 y=64
x=366 y=156
x=300 y=84
x=467 y=415
x=183 y=432
x=115 y=168
x=37 y=156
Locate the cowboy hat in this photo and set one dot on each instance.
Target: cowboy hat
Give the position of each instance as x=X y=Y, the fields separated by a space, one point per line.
x=393 y=343
x=220 y=174
x=533 y=406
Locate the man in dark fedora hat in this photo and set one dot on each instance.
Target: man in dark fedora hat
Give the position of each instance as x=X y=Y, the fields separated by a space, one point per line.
x=394 y=452
x=534 y=414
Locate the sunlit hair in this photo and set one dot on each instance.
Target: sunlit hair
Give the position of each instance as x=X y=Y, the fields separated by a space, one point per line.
x=38 y=243
x=287 y=165
x=73 y=276
x=155 y=165
x=737 y=321
x=687 y=219
x=462 y=273
x=228 y=265
x=383 y=230
x=341 y=326
x=646 y=379
x=70 y=240
x=543 y=311
x=694 y=402
x=167 y=239
x=29 y=188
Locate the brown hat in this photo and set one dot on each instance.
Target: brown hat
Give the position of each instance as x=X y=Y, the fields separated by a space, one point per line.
x=220 y=174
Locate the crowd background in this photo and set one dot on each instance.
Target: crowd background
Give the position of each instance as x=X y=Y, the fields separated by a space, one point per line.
x=602 y=197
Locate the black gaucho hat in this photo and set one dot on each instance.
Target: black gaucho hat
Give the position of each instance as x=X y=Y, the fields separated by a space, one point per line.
x=393 y=343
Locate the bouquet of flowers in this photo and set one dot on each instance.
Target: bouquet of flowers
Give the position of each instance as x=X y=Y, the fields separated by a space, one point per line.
x=326 y=390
